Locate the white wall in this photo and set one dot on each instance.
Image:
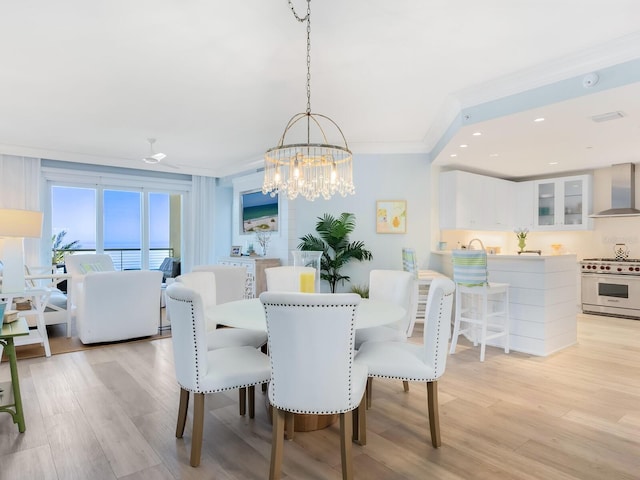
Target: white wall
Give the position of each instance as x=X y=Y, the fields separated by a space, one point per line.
x=377 y=177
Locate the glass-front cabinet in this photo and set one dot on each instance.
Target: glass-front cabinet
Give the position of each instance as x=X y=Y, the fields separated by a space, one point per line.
x=563 y=203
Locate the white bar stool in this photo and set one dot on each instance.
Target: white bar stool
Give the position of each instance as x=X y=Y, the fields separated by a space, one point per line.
x=480 y=305
x=423 y=279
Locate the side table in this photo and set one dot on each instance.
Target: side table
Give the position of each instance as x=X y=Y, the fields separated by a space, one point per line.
x=40 y=297
x=10 y=399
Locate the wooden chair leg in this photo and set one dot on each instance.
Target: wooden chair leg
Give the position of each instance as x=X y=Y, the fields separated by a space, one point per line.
x=360 y=422
x=346 y=425
x=369 y=391
x=182 y=412
x=277 y=444
x=405 y=385
x=290 y=424
x=251 y=393
x=434 y=416
x=198 y=426
x=242 y=400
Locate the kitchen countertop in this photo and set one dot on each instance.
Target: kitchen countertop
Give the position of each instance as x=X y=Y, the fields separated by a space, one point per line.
x=505 y=256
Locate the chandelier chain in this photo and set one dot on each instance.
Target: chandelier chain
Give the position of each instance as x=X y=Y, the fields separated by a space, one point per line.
x=300 y=19
x=306 y=18
x=311 y=169
x=308 y=56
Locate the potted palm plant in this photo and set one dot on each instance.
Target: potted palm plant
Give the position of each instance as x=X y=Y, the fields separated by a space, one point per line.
x=337 y=250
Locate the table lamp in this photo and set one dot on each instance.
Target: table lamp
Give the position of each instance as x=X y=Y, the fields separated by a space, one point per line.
x=15 y=225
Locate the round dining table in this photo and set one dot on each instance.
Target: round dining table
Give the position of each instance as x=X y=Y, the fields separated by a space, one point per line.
x=249 y=313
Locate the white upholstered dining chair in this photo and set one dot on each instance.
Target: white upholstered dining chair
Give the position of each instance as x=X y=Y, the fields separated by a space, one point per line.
x=408 y=361
x=205 y=283
x=231 y=281
x=200 y=370
x=285 y=278
x=312 y=366
x=394 y=286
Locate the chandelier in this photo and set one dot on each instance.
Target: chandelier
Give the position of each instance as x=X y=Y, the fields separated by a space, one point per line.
x=313 y=168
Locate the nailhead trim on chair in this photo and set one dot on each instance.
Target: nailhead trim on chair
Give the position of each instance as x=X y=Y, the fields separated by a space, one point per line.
x=435 y=366
x=351 y=334
x=198 y=389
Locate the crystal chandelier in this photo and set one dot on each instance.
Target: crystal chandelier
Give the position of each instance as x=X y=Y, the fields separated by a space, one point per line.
x=308 y=169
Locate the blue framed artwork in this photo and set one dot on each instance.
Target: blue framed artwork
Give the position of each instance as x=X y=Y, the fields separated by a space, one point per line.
x=258 y=212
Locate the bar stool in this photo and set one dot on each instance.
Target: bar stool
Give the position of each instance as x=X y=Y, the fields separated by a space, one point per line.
x=423 y=279
x=480 y=305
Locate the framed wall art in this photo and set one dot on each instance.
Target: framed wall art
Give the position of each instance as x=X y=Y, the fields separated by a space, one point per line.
x=391 y=216
x=258 y=212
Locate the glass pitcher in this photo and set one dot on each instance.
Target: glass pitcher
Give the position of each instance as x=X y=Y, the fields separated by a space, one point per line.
x=309 y=282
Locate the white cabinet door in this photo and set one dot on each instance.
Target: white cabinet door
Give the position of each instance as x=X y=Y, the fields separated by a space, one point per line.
x=460 y=195
x=475 y=202
x=524 y=207
x=499 y=208
x=563 y=203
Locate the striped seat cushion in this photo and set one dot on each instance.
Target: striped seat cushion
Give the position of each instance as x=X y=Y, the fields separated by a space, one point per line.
x=469 y=267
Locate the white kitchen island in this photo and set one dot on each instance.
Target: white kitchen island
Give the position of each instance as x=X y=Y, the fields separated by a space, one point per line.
x=543 y=298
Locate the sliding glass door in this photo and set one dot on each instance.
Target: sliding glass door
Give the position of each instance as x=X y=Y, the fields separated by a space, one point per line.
x=134 y=227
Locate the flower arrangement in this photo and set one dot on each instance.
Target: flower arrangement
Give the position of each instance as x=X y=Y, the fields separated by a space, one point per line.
x=521 y=233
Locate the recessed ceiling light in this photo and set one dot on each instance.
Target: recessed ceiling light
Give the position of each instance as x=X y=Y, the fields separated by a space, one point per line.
x=464 y=145
x=477 y=134
x=453 y=155
x=553 y=163
x=494 y=154
x=539 y=119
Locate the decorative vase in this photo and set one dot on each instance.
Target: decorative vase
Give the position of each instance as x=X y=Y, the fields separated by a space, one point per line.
x=522 y=243
x=309 y=282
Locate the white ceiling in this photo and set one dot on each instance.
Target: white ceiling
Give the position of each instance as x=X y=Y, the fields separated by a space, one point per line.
x=216 y=82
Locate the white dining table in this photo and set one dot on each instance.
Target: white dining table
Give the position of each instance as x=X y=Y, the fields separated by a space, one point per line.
x=249 y=313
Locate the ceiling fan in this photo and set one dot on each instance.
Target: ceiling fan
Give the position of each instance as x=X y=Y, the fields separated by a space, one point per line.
x=155 y=158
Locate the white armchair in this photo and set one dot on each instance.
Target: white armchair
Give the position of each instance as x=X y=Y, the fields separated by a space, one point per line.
x=113 y=305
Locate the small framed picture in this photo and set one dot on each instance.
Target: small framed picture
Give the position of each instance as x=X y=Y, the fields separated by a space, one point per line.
x=391 y=216
x=236 y=251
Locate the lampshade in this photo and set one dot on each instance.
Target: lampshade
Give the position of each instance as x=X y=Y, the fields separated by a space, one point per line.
x=20 y=223
x=14 y=226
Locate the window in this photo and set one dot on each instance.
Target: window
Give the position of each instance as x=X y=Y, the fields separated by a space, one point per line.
x=112 y=221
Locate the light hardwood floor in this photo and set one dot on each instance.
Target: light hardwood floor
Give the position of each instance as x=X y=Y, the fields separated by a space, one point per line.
x=111 y=412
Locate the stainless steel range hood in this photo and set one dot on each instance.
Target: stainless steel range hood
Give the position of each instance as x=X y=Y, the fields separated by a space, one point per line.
x=623 y=194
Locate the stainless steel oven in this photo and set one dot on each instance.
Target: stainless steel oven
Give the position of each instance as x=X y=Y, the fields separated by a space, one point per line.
x=611 y=287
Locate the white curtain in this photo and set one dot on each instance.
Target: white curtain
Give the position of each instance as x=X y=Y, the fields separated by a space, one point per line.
x=20 y=188
x=202 y=223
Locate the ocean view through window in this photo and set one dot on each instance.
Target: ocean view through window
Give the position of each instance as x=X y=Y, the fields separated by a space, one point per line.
x=113 y=221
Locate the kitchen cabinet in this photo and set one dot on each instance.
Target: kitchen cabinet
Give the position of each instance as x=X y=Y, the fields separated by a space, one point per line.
x=524 y=205
x=468 y=201
x=562 y=203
